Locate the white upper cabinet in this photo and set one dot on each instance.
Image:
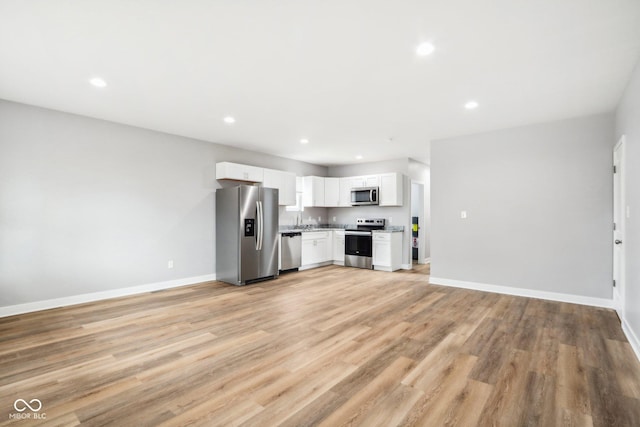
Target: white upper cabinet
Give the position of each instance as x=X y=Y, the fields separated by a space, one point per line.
x=357 y=181
x=371 y=181
x=364 y=181
x=285 y=182
x=238 y=172
x=273 y=179
x=391 y=189
x=332 y=192
x=345 y=192
x=289 y=192
x=313 y=191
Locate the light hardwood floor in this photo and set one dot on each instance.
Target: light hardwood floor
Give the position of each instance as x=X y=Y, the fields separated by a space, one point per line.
x=330 y=346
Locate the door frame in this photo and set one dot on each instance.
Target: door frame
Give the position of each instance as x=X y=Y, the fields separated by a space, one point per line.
x=620 y=207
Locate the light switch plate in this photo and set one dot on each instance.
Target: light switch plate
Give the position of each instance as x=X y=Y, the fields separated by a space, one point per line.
x=463 y=214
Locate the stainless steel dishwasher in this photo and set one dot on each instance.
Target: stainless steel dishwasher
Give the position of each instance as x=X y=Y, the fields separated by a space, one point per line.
x=291 y=247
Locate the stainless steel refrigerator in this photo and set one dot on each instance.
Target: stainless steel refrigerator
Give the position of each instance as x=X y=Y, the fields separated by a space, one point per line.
x=246 y=234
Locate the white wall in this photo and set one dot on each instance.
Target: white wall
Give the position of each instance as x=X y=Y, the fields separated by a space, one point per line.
x=628 y=124
x=89 y=206
x=539 y=204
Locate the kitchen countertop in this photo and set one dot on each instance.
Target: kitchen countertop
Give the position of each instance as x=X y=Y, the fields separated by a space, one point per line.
x=391 y=229
x=330 y=227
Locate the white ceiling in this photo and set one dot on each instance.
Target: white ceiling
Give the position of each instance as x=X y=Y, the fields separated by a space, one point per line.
x=341 y=73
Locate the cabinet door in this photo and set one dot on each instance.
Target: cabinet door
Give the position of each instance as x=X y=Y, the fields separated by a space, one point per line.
x=382 y=253
x=238 y=172
x=308 y=254
x=391 y=189
x=288 y=192
x=273 y=179
x=313 y=191
x=307 y=191
x=322 y=249
x=371 y=181
x=338 y=246
x=345 y=192
x=318 y=191
x=358 y=181
x=331 y=192
x=285 y=182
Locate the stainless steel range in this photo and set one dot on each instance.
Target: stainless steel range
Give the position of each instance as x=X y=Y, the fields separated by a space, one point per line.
x=358 y=242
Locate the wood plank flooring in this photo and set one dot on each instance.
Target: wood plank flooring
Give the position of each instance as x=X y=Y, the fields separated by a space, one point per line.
x=329 y=347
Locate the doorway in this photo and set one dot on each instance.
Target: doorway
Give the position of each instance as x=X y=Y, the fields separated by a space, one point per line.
x=418 y=229
x=619 y=218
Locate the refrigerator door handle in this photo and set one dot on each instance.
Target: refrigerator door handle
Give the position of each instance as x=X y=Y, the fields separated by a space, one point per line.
x=261 y=225
x=260 y=230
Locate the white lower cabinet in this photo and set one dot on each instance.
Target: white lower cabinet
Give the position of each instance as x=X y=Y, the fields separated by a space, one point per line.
x=387 y=251
x=338 y=247
x=316 y=248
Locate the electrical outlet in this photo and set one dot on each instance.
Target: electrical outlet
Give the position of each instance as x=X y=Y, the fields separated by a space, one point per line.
x=334 y=219
x=170 y=263
x=390 y=219
x=463 y=214
x=319 y=219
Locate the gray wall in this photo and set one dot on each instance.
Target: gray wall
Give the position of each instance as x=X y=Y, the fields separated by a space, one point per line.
x=628 y=123
x=539 y=204
x=88 y=205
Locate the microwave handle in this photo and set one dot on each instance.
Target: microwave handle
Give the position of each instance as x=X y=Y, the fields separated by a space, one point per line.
x=373 y=196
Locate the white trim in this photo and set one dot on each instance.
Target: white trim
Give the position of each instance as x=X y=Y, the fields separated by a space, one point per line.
x=619 y=291
x=427 y=260
x=12 y=310
x=406 y=266
x=316 y=265
x=631 y=336
x=521 y=292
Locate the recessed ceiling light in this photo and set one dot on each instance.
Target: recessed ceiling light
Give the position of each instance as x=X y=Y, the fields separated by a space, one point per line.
x=98 y=82
x=229 y=120
x=359 y=157
x=424 y=49
x=304 y=141
x=471 y=105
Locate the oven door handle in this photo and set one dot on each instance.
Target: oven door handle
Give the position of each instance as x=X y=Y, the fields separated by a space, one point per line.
x=357 y=233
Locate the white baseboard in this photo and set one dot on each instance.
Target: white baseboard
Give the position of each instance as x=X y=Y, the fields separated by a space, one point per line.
x=406 y=266
x=531 y=293
x=12 y=310
x=631 y=336
x=316 y=265
x=427 y=260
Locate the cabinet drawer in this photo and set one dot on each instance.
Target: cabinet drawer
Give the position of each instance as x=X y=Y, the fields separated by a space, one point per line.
x=312 y=235
x=382 y=236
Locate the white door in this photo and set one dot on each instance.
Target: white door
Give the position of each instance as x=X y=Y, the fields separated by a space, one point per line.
x=619 y=217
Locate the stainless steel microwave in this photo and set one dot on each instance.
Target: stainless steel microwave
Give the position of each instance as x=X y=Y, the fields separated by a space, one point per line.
x=364 y=196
